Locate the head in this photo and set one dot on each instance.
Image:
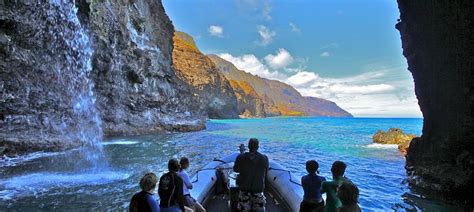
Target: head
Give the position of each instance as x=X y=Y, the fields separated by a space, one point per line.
x=253 y=145
x=148 y=182
x=184 y=162
x=173 y=165
x=348 y=193
x=338 y=168
x=312 y=166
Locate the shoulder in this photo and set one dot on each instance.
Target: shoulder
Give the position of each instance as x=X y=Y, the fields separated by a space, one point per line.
x=322 y=178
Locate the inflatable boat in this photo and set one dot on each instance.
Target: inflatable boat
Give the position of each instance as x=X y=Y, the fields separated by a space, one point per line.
x=283 y=191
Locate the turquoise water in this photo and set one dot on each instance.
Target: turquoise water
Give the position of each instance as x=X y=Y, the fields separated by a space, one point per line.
x=65 y=181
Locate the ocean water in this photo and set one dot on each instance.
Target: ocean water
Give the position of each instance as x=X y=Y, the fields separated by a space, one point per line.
x=65 y=181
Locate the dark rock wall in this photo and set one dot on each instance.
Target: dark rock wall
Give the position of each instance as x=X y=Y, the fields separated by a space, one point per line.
x=46 y=101
x=438 y=42
x=137 y=90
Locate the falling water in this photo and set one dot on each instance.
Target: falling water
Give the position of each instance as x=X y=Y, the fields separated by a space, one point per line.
x=87 y=123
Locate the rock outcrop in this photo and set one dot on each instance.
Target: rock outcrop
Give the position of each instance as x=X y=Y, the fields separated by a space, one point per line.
x=66 y=74
x=437 y=39
x=278 y=97
x=207 y=83
x=137 y=89
x=394 y=136
x=249 y=103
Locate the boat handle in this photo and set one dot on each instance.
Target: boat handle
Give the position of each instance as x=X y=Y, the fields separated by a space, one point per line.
x=207 y=169
x=289 y=174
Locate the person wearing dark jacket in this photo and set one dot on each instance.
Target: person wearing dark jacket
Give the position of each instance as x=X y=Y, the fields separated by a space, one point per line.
x=252 y=167
x=143 y=200
x=171 y=189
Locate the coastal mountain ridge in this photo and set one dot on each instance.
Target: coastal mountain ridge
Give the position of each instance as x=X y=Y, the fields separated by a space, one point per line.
x=280 y=98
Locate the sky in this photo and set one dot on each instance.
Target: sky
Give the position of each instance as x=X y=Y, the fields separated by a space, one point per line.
x=346 y=51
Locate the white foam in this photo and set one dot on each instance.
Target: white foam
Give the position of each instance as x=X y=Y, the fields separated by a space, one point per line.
x=120 y=143
x=382 y=146
x=32 y=184
x=6 y=161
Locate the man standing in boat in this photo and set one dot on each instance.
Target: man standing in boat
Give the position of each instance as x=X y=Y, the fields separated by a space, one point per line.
x=252 y=167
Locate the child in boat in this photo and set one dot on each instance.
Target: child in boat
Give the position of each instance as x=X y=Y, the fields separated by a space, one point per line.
x=330 y=187
x=189 y=200
x=312 y=199
x=171 y=189
x=348 y=193
x=143 y=200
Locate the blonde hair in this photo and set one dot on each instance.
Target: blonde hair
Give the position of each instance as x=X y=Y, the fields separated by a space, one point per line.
x=148 y=181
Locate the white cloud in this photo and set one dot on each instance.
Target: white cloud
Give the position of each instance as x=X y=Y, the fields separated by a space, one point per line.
x=294 y=28
x=216 y=31
x=266 y=35
x=324 y=54
x=282 y=59
x=267 y=9
x=251 y=64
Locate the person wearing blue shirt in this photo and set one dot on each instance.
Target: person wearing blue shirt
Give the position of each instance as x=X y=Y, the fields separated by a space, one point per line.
x=312 y=199
x=143 y=200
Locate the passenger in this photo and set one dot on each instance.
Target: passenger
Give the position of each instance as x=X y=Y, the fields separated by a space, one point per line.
x=189 y=201
x=329 y=187
x=252 y=168
x=171 y=189
x=348 y=193
x=242 y=148
x=312 y=199
x=143 y=200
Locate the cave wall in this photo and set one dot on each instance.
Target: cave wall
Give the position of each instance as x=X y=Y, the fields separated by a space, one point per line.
x=438 y=43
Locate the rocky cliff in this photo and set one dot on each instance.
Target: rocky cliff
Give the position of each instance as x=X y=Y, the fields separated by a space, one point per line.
x=207 y=83
x=278 y=97
x=437 y=39
x=67 y=73
x=249 y=103
x=394 y=136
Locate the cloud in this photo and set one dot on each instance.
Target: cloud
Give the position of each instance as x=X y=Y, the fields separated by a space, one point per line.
x=266 y=35
x=251 y=64
x=282 y=59
x=253 y=8
x=216 y=31
x=294 y=28
x=331 y=45
x=266 y=11
x=324 y=54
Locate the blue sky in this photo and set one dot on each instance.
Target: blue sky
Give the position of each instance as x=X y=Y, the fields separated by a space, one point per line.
x=346 y=51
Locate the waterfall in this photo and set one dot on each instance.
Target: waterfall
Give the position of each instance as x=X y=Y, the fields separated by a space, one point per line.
x=86 y=127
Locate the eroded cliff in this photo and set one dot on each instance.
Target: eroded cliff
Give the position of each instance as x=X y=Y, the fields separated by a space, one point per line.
x=437 y=39
x=216 y=96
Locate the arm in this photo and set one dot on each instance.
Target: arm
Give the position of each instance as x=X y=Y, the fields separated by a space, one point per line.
x=238 y=164
x=187 y=181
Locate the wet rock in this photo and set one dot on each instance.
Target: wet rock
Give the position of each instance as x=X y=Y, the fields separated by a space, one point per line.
x=394 y=136
x=437 y=42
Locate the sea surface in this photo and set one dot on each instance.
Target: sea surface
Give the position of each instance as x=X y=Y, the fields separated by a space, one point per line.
x=72 y=181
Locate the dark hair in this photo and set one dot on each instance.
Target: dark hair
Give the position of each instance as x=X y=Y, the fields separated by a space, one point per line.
x=253 y=144
x=183 y=161
x=338 y=168
x=312 y=166
x=148 y=181
x=173 y=165
x=348 y=193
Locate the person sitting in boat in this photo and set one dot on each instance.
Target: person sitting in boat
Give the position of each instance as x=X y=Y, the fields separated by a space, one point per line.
x=252 y=167
x=348 y=193
x=189 y=201
x=143 y=200
x=330 y=187
x=312 y=199
x=171 y=189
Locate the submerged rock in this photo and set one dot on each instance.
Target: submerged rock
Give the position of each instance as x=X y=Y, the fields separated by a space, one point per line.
x=394 y=136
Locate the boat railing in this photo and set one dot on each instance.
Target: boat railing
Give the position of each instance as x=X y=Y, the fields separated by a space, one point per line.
x=289 y=174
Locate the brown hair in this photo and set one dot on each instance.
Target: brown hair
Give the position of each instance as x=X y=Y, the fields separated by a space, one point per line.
x=148 y=181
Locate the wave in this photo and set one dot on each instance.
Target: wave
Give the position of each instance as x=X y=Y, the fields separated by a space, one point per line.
x=31 y=184
x=120 y=143
x=6 y=161
x=382 y=146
